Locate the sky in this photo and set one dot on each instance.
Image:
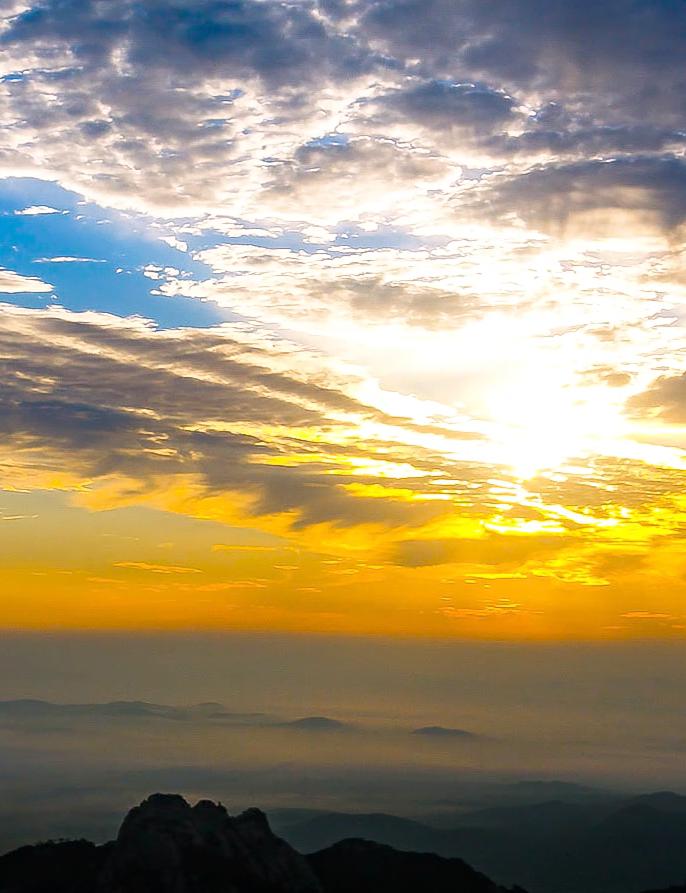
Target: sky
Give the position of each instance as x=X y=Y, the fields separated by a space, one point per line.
x=342 y=374
x=350 y=316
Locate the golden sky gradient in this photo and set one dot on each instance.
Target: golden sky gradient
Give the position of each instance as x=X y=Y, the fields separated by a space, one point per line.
x=233 y=487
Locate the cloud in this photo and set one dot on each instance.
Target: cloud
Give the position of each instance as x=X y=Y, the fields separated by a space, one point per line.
x=642 y=192
x=430 y=288
x=577 y=139
x=153 y=103
x=279 y=43
x=331 y=181
x=68 y=260
x=16 y=283
x=321 y=113
x=612 y=377
x=477 y=204
x=489 y=550
x=626 y=51
x=37 y=210
x=156 y=568
x=665 y=399
x=233 y=425
x=647 y=615
x=97 y=397
x=449 y=113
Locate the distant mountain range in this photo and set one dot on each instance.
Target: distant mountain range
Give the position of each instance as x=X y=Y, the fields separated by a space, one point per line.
x=37 y=709
x=443 y=732
x=34 y=710
x=166 y=846
x=612 y=845
x=28 y=710
x=549 y=836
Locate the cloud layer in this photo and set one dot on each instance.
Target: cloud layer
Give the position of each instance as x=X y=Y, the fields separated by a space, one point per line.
x=450 y=238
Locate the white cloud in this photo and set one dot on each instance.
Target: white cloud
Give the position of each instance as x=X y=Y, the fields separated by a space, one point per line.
x=15 y=283
x=37 y=210
x=68 y=260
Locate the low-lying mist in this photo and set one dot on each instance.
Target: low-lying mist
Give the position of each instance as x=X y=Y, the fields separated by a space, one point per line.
x=90 y=726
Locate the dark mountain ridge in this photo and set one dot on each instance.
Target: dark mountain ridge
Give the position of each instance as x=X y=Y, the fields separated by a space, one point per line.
x=366 y=867
x=166 y=846
x=617 y=845
x=31 y=708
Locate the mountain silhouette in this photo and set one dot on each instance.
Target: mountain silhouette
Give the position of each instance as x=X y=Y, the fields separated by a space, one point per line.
x=443 y=732
x=166 y=846
x=28 y=708
x=613 y=845
x=366 y=867
x=315 y=724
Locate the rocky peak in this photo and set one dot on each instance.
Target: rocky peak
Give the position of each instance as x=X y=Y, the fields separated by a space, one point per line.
x=167 y=846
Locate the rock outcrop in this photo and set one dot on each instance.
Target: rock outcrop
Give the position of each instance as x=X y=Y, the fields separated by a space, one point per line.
x=166 y=846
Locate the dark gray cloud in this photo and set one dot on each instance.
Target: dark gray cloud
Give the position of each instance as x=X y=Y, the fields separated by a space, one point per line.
x=628 y=51
x=97 y=396
x=171 y=105
x=281 y=43
x=600 y=140
x=550 y=196
x=450 y=109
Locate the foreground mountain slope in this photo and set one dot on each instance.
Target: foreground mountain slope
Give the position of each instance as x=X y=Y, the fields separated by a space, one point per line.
x=366 y=867
x=681 y=889
x=166 y=846
x=66 y=867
